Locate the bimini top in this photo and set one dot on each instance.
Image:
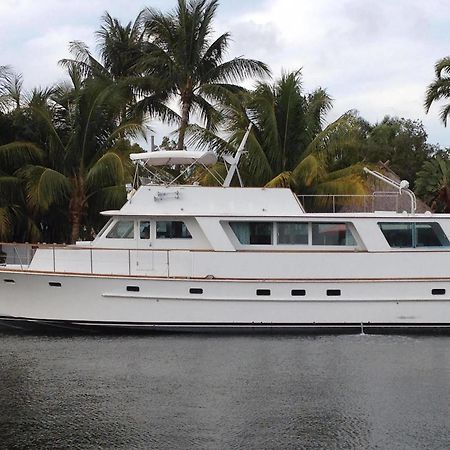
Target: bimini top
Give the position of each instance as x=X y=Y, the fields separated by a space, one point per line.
x=175 y=157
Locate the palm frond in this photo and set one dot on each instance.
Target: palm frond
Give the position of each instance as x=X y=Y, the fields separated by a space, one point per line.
x=17 y=154
x=282 y=180
x=107 y=171
x=44 y=187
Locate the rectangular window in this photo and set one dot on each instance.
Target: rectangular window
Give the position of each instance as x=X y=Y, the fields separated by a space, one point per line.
x=123 y=229
x=414 y=234
x=253 y=233
x=172 y=229
x=292 y=233
x=144 y=229
x=430 y=234
x=332 y=234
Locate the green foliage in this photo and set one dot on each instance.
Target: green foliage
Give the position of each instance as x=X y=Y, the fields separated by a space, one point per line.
x=440 y=88
x=287 y=146
x=402 y=142
x=433 y=183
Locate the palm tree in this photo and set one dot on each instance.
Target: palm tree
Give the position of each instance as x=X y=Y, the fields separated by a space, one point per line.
x=15 y=222
x=440 y=88
x=288 y=146
x=433 y=183
x=121 y=48
x=11 y=89
x=182 y=52
x=84 y=162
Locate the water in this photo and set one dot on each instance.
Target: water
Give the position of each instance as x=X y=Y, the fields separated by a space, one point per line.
x=225 y=392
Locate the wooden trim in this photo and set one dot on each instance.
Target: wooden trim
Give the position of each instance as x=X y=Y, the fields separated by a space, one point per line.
x=227 y=279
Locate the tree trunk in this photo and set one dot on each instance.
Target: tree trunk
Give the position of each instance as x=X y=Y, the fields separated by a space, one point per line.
x=186 y=102
x=183 y=125
x=76 y=209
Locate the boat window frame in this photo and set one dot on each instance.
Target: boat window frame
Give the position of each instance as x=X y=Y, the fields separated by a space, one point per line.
x=182 y=238
x=349 y=228
x=105 y=228
x=127 y=239
x=250 y=245
x=151 y=227
x=275 y=245
x=439 y=234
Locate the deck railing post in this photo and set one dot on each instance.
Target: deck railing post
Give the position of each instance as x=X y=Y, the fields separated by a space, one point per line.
x=54 y=259
x=92 y=270
x=129 y=262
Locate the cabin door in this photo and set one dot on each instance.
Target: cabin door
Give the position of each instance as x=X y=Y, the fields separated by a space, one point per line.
x=144 y=257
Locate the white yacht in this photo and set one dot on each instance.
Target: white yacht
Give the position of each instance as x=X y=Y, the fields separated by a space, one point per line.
x=187 y=257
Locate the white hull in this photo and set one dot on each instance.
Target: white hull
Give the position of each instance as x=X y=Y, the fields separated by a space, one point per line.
x=162 y=303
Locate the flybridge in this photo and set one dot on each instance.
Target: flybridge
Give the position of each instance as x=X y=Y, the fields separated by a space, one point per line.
x=210 y=201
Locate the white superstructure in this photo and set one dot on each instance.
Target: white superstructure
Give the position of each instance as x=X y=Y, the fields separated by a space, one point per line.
x=191 y=257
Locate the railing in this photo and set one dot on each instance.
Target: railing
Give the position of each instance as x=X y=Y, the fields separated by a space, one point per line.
x=83 y=259
x=331 y=203
x=17 y=254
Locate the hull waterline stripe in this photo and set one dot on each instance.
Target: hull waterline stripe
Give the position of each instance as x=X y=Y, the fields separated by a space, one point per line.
x=63 y=325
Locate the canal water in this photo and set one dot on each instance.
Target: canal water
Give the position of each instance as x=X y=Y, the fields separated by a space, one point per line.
x=224 y=392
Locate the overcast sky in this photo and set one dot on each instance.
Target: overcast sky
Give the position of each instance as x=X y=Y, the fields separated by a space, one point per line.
x=376 y=56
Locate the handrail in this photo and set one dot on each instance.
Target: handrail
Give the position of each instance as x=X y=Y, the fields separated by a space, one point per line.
x=334 y=197
x=401 y=186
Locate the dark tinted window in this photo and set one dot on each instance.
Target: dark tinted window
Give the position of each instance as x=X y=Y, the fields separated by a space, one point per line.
x=253 y=233
x=292 y=233
x=414 y=234
x=144 y=229
x=172 y=229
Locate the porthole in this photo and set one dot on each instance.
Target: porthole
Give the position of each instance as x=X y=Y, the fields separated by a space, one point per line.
x=298 y=292
x=333 y=292
x=438 y=291
x=133 y=288
x=262 y=291
x=54 y=284
x=195 y=291
x=9 y=280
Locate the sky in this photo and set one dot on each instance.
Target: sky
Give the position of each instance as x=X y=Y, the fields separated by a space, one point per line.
x=375 y=56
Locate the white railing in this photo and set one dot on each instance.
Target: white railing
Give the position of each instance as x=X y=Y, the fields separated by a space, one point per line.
x=59 y=258
x=332 y=203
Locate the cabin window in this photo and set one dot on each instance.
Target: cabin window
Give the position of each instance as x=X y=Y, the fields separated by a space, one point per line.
x=122 y=229
x=292 y=233
x=430 y=234
x=144 y=229
x=332 y=233
x=172 y=230
x=253 y=233
x=414 y=234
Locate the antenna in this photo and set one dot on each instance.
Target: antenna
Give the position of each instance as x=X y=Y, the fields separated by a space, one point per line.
x=235 y=161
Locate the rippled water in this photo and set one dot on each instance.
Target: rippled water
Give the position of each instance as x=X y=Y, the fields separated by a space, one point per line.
x=216 y=392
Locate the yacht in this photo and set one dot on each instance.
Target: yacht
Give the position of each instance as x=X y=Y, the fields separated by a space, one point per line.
x=181 y=257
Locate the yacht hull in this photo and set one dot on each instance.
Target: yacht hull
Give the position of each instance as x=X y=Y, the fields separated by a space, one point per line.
x=83 y=302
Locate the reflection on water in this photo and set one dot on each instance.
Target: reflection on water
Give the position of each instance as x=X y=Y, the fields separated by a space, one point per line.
x=213 y=392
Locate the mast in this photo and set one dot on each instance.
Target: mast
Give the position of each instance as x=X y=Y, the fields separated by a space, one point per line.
x=235 y=161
